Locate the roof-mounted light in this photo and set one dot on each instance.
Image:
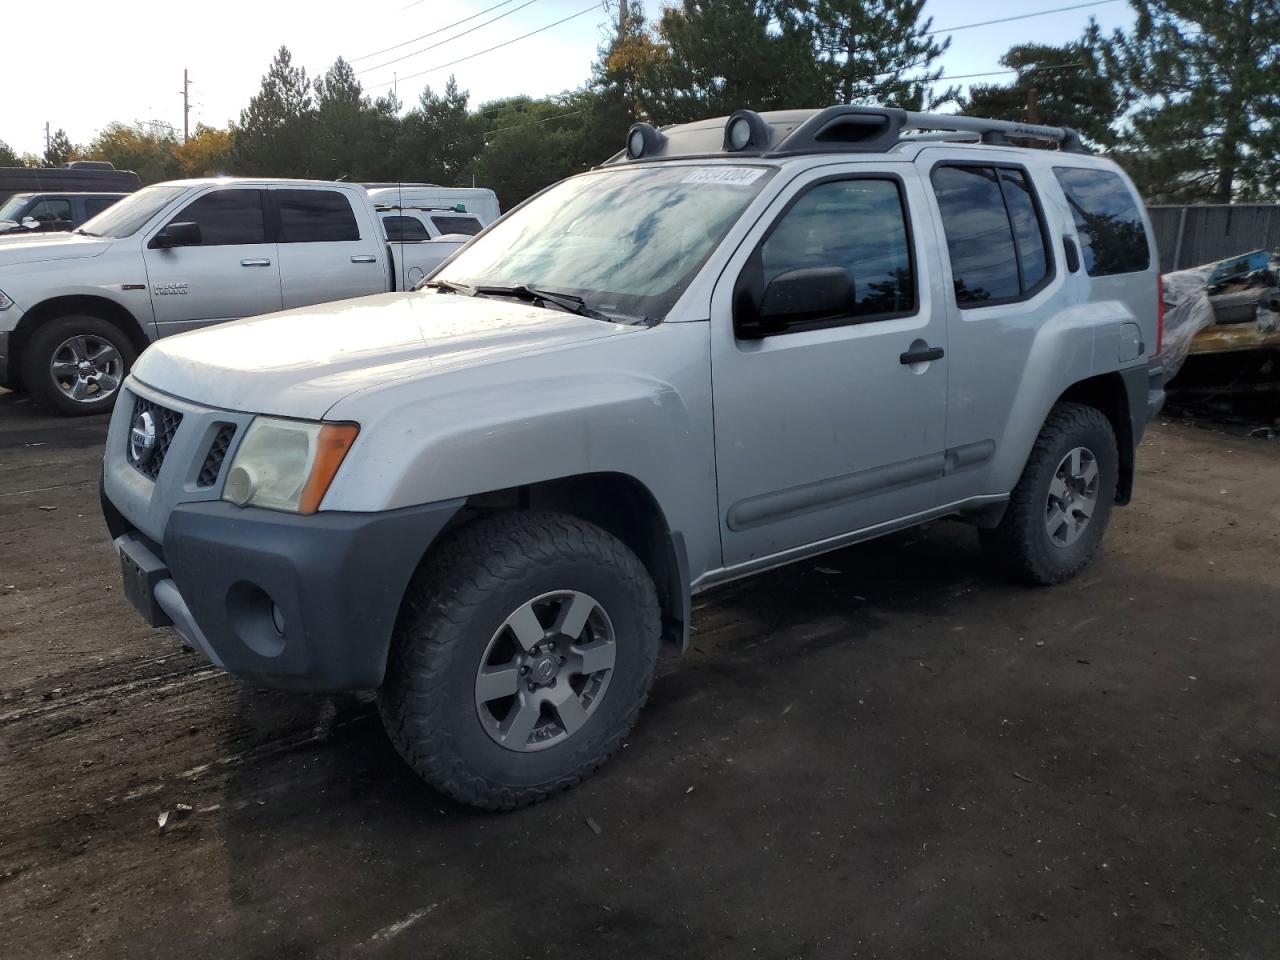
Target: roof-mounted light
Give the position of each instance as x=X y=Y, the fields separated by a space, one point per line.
x=746 y=130
x=643 y=140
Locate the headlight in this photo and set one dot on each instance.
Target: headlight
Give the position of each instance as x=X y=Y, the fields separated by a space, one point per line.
x=5 y=302
x=287 y=464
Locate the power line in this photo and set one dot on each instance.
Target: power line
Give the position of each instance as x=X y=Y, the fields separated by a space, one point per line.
x=440 y=43
x=1021 y=16
x=449 y=26
x=514 y=126
x=472 y=56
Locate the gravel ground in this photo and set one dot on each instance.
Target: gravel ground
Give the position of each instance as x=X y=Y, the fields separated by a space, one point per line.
x=888 y=752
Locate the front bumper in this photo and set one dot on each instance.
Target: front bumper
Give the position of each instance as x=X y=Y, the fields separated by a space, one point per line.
x=5 y=363
x=227 y=578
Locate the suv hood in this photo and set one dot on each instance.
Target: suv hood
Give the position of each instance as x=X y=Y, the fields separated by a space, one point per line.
x=34 y=247
x=301 y=362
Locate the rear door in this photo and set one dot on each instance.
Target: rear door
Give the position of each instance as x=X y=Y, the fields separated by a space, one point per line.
x=325 y=251
x=231 y=274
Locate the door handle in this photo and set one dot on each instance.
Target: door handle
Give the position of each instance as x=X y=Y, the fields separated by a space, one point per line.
x=921 y=355
x=1073 y=255
x=364 y=258
x=255 y=263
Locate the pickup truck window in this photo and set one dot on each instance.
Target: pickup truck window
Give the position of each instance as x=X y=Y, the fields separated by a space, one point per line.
x=627 y=241
x=94 y=207
x=405 y=228
x=465 y=225
x=131 y=214
x=52 y=210
x=315 y=216
x=226 y=217
x=814 y=232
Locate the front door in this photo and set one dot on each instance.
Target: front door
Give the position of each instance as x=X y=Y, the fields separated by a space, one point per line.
x=231 y=273
x=836 y=423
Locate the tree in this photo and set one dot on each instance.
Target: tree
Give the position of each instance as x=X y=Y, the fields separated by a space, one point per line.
x=877 y=51
x=206 y=153
x=8 y=157
x=59 y=150
x=1200 y=80
x=342 y=118
x=275 y=134
x=440 y=138
x=147 y=149
x=1064 y=83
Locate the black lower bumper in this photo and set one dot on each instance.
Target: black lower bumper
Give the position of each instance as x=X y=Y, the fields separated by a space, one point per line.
x=279 y=599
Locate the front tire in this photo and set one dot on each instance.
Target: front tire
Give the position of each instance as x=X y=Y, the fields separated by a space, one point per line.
x=524 y=650
x=1059 y=510
x=74 y=365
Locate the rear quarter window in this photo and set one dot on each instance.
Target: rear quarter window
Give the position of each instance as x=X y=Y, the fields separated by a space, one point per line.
x=468 y=225
x=1112 y=237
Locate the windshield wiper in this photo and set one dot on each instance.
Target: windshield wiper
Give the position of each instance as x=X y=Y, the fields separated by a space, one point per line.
x=85 y=233
x=571 y=303
x=449 y=286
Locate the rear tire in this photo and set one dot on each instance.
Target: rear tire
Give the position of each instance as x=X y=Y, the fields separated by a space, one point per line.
x=74 y=365
x=524 y=650
x=1058 y=512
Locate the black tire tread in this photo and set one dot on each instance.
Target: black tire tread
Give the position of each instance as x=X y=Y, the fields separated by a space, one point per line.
x=1010 y=543
x=449 y=586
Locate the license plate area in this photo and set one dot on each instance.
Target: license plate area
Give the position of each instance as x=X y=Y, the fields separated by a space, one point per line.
x=141 y=570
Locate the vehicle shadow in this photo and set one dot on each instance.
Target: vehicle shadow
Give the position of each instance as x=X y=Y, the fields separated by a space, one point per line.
x=23 y=422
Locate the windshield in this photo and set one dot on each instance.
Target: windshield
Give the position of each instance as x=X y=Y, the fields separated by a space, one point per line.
x=11 y=206
x=626 y=241
x=128 y=216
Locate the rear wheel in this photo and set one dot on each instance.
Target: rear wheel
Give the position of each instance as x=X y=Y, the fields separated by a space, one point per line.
x=523 y=653
x=74 y=365
x=1059 y=510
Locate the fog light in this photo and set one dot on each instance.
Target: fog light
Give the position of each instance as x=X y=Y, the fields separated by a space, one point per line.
x=277 y=618
x=239 y=486
x=635 y=143
x=739 y=133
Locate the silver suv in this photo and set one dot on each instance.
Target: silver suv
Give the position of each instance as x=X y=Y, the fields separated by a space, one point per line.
x=736 y=344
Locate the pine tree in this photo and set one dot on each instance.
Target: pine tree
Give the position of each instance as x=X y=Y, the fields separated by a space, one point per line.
x=59 y=150
x=344 y=118
x=274 y=136
x=1201 y=81
x=8 y=157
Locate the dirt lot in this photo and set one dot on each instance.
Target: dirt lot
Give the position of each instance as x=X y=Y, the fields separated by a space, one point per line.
x=886 y=753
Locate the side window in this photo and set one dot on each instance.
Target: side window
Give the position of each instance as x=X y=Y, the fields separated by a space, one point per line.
x=51 y=211
x=859 y=225
x=315 y=216
x=995 y=234
x=1107 y=220
x=94 y=207
x=226 y=217
x=405 y=228
x=468 y=225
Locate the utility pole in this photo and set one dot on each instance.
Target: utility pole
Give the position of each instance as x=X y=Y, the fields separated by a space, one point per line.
x=186 y=106
x=47 y=142
x=622 y=15
x=1033 y=108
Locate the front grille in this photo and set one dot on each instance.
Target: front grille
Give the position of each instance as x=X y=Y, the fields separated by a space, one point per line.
x=150 y=432
x=217 y=453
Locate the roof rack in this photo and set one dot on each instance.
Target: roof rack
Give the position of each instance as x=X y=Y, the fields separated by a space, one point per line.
x=838 y=129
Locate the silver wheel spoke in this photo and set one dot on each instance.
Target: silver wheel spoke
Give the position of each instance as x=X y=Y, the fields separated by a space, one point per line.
x=1074 y=456
x=107 y=383
x=1057 y=517
x=526 y=627
x=496 y=682
x=1058 y=488
x=515 y=729
x=1090 y=472
x=1084 y=507
x=79 y=389
x=105 y=354
x=595 y=657
x=568 y=707
x=573 y=615
x=79 y=349
x=64 y=368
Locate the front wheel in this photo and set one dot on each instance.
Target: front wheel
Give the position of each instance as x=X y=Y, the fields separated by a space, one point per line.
x=524 y=650
x=74 y=365
x=1058 y=512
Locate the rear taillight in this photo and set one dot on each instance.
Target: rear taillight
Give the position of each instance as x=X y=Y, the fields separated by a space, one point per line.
x=1159 y=315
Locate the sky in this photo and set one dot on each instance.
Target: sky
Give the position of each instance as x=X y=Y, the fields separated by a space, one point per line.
x=124 y=61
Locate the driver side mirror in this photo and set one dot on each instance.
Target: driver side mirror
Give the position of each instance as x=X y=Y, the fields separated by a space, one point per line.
x=797 y=296
x=31 y=223
x=177 y=235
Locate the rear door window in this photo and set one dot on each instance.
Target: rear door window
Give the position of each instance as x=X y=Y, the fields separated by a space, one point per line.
x=467 y=225
x=995 y=234
x=315 y=216
x=405 y=228
x=1112 y=237
x=51 y=210
x=226 y=217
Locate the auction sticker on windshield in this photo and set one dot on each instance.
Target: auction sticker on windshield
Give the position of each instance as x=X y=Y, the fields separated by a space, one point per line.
x=740 y=176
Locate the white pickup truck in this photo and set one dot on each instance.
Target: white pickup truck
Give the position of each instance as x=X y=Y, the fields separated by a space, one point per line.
x=77 y=308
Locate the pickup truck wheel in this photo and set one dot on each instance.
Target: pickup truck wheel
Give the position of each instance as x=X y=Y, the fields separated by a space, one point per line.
x=1058 y=512
x=524 y=650
x=74 y=365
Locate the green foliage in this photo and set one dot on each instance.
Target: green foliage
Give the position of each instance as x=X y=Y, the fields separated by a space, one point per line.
x=275 y=136
x=1076 y=96
x=59 y=150
x=147 y=149
x=1201 y=82
x=8 y=157
x=440 y=137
